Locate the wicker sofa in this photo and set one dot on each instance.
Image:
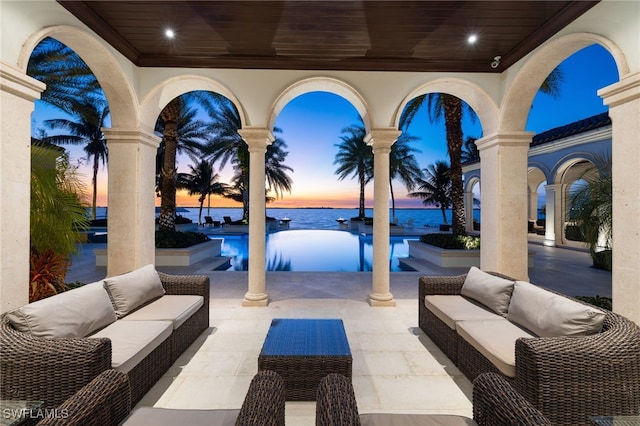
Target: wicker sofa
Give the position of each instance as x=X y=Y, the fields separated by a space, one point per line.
x=590 y=367
x=106 y=401
x=137 y=323
x=495 y=403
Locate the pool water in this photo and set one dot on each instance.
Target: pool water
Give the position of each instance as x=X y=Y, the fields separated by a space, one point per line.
x=315 y=250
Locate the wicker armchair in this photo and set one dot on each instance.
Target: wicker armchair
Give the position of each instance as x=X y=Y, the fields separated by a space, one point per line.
x=106 y=401
x=495 y=403
x=568 y=378
x=53 y=369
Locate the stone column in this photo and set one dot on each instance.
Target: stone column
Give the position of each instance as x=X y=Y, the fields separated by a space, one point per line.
x=381 y=141
x=504 y=213
x=623 y=99
x=17 y=94
x=257 y=139
x=550 y=215
x=131 y=198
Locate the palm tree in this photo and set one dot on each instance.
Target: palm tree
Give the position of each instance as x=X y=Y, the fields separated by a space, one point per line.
x=552 y=84
x=470 y=153
x=403 y=166
x=181 y=132
x=435 y=189
x=57 y=216
x=70 y=82
x=87 y=130
x=355 y=158
x=202 y=181
x=278 y=180
x=451 y=108
x=227 y=146
x=591 y=206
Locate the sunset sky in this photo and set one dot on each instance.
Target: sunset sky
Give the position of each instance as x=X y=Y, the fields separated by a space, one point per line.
x=312 y=125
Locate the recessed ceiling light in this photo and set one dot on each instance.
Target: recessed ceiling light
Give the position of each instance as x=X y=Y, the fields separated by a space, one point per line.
x=169 y=33
x=472 y=39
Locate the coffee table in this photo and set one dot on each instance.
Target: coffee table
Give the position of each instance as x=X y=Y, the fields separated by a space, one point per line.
x=303 y=352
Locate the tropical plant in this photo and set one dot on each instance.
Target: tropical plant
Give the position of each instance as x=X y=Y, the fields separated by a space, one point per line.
x=57 y=216
x=452 y=242
x=226 y=146
x=591 y=207
x=403 y=166
x=435 y=188
x=202 y=181
x=85 y=130
x=355 y=158
x=180 y=131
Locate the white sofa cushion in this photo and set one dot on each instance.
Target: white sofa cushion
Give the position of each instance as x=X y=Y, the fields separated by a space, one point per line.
x=132 y=341
x=147 y=416
x=452 y=308
x=174 y=308
x=493 y=292
x=550 y=315
x=133 y=289
x=495 y=340
x=74 y=313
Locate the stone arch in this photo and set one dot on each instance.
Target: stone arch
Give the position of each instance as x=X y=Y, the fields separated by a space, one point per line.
x=169 y=89
x=519 y=96
x=108 y=70
x=566 y=172
x=470 y=180
x=321 y=84
x=473 y=95
x=559 y=169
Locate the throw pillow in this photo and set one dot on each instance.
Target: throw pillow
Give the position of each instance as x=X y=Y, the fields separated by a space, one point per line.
x=74 y=313
x=489 y=290
x=547 y=314
x=133 y=289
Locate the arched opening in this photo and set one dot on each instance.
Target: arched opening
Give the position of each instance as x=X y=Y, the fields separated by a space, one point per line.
x=68 y=158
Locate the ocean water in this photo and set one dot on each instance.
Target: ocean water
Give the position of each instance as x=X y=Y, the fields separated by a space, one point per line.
x=319 y=218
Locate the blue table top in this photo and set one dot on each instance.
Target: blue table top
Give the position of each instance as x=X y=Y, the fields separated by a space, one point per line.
x=306 y=337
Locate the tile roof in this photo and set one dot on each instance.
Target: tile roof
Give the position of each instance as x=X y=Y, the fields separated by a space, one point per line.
x=589 y=123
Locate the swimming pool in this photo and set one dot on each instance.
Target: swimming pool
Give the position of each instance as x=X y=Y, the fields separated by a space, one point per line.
x=314 y=250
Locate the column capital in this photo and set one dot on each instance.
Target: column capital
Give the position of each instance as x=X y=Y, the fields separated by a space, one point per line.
x=626 y=90
x=257 y=137
x=382 y=138
x=13 y=80
x=123 y=135
x=509 y=138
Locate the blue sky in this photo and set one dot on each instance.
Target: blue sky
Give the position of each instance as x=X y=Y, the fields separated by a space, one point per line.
x=312 y=125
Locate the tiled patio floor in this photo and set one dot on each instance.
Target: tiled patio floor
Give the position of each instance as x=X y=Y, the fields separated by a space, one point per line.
x=396 y=368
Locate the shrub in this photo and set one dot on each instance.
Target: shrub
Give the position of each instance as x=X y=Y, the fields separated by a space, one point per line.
x=602 y=260
x=449 y=241
x=178 y=239
x=601 y=302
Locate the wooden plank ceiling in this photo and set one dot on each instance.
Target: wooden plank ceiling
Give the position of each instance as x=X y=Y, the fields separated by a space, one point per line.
x=370 y=35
